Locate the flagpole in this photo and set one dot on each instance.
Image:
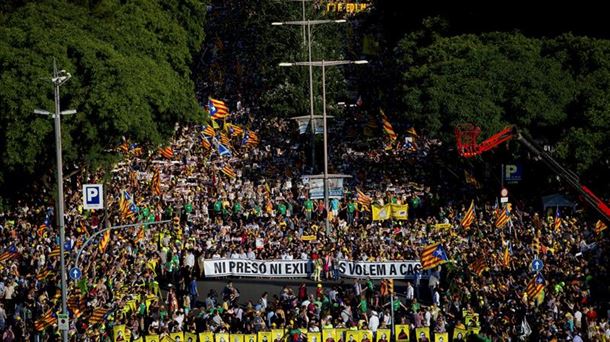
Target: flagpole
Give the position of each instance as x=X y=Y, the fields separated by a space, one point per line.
x=392 y=312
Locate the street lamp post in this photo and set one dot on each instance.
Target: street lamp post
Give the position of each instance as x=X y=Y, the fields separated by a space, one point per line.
x=59 y=78
x=323 y=64
x=308 y=23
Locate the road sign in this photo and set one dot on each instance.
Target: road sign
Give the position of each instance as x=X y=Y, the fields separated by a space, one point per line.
x=503 y=199
x=62 y=322
x=93 y=196
x=504 y=192
x=512 y=173
x=537 y=265
x=75 y=273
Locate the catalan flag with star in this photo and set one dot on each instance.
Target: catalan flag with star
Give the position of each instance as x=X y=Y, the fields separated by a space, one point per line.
x=364 y=200
x=557 y=220
x=218 y=109
x=47 y=320
x=432 y=256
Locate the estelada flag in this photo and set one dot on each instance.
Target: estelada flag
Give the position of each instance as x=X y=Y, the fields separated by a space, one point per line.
x=432 y=256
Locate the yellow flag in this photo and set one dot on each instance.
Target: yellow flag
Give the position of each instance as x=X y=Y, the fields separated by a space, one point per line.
x=381 y=213
x=119 y=333
x=400 y=211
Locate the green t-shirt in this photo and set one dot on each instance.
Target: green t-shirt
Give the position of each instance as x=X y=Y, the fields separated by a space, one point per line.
x=282 y=209
x=236 y=208
x=351 y=207
x=218 y=206
x=188 y=208
x=308 y=205
x=363 y=305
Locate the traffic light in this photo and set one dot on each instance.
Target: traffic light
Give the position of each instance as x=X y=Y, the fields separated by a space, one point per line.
x=391 y=286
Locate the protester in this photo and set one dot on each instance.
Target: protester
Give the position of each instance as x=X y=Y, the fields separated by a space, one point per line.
x=146 y=277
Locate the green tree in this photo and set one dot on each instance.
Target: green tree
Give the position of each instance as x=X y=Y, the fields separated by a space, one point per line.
x=244 y=49
x=555 y=89
x=131 y=77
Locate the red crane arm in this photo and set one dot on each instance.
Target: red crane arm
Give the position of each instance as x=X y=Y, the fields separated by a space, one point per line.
x=496 y=139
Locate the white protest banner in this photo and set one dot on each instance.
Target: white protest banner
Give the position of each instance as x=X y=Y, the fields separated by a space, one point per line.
x=257 y=268
x=406 y=269
x=303 y=268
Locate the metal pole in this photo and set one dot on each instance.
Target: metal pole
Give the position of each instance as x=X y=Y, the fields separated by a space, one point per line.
x=304 y=36
x=325 y=146
x=392 y=312
x=60 y=198
x=311 y=110
x=92 y=237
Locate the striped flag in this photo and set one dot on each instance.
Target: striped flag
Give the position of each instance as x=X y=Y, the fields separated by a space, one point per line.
x=234 y=130
x=139 y=235
x=76 y=306
x=432 y=256
x=98 y=315
x=535 y=286
x=41 y=230
x=44 y=274
x=224 y=138
x=205 y=143
x=469 y=216
x=209 y=131
x=166 y=152
x=470 y=179
x=135 y=150
x=218 y=109
x=227 y=170
x=8 y=256
x=503 y=218
x=250 y=139
x=387 y=126
x=47 y=320
x=55 y=252
x=600 y=227
x=536 y=245
x=479 y=266
x=506 y=255
x=156 y=183
x=123 y=148
x=557 y=221
x=127 y=208
x=104 y=241
x=364 y=200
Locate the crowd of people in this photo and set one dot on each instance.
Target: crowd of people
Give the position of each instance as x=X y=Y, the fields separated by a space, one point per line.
x=147 y=277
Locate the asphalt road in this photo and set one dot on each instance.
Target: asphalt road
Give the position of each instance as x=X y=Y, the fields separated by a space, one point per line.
x=253 y=288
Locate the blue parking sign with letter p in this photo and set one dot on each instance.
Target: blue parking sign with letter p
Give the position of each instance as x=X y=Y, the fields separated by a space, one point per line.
x=93 y=196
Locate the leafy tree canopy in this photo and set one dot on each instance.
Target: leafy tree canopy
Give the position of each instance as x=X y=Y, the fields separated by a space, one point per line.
x=130 y=65
x=554 y=88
